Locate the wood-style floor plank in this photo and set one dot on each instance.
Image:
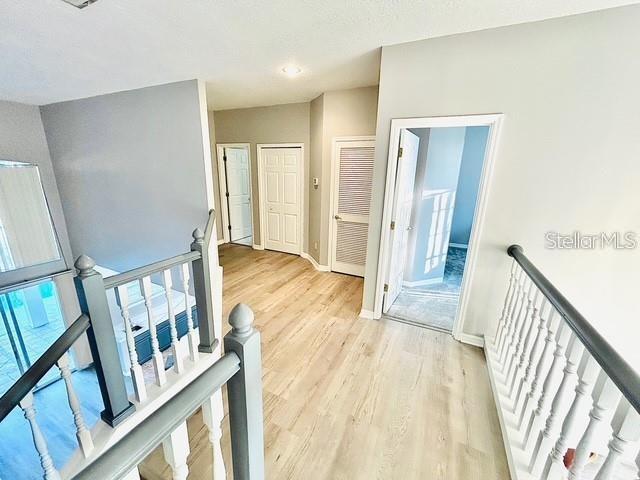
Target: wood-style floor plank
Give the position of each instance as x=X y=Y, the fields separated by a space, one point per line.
x=349 y=398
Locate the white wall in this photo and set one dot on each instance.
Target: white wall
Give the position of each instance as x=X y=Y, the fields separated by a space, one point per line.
x=131 y=171
x=568 y=158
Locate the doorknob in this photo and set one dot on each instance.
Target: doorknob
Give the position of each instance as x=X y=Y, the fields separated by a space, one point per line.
x=337 y=217
x=409 y=227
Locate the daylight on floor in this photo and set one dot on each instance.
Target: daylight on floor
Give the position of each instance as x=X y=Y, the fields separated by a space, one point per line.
x=383 y=241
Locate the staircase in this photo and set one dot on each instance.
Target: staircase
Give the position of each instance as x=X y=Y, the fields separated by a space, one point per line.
x=558 y=385
x=148 y=404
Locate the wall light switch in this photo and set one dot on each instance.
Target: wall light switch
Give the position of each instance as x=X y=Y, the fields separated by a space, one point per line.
x=316 y=182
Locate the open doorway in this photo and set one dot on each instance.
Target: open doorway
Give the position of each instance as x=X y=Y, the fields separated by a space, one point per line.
x=434 y=204
x=234 y=169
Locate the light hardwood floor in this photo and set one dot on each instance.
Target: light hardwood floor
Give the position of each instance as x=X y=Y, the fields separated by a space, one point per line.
x=349 y=398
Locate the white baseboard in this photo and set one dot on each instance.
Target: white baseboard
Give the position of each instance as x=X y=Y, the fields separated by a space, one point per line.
x=475 y=340
x=257 y=247
x=221 y=241
x=368 y=314
x=316 y=265
x=419 y=283
x=459 y=245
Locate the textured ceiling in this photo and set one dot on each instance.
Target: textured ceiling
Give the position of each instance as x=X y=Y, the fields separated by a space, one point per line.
x=51 y=51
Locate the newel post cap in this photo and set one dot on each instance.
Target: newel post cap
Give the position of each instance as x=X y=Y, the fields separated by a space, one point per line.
x=84 y=264
x=198 y=235
x=241 y=320
x=514 y=248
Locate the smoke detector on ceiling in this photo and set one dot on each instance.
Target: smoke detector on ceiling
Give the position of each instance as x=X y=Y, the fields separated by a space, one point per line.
x=80 y=3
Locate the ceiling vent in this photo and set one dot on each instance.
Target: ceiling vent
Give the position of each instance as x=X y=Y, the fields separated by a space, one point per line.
x=80 y=3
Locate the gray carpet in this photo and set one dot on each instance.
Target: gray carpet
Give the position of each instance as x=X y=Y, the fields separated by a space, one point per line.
x=434 y=305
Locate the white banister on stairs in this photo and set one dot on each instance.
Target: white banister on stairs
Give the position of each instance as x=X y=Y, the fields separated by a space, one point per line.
x=558 y=385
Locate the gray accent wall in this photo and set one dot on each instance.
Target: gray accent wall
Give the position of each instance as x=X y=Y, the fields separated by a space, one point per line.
x=130 y=169
x=567 y=159
x=22 y=139
x=340 y=113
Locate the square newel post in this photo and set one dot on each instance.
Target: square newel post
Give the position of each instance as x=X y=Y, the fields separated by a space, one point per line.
x=203 y=287
x=244 y=390
x=102 y=341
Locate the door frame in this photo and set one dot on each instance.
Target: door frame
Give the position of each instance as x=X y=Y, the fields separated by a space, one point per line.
x=333 y=184
x=224 y=208
x=494 y=122
x=259 y=148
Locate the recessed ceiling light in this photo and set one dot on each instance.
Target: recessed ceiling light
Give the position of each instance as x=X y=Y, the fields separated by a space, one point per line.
x=291 y=70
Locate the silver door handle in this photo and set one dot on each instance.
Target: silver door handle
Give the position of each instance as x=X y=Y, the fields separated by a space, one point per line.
x=337 y=217
x=409 y=227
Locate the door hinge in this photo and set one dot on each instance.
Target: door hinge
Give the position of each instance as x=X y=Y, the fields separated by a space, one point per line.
x=400 y=153
x=386 y=287
x=226 y=194
x=393 y=225
x=224 y=158
x=229 y=227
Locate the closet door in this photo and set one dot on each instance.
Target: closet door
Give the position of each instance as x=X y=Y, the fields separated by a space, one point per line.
x=353 y=171
x=282 y=199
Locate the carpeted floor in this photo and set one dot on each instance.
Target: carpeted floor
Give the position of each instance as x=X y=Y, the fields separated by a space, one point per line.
x=433 y=305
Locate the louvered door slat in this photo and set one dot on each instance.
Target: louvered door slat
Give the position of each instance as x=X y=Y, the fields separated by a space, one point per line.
x=354 y=174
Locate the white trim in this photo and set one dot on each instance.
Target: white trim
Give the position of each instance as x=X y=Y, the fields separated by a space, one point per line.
x=316 y=265
x=475 y=340
x=494 y=122
x=420 y=283
x=459 y=245
x=257 y=247
x=221 y=241
x=259 y=148
x=206 y=145
x=224 y=209
x=368 y=314
x=332 y=184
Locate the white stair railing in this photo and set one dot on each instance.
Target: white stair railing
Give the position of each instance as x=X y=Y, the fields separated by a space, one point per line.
x=556 y=381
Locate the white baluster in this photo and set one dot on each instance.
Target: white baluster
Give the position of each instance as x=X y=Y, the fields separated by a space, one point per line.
x=176 y=450
x=519 y=308
x=137 y=377
x=503 y=322
x=158 y=361
x=549 y=435
x=50 y=472
x=532 y=346
x=132 y=475
x=511 y=320
x=178 y=364
x=536 y=420
x=192 y=336
x=605 y=396
x=587 y=373
x=543 y=365
x=524 y=331
x=626 y=430
x=82 y=432
x=212 y=414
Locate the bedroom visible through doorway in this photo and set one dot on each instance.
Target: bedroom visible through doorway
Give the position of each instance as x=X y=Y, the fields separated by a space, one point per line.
x=440 y=178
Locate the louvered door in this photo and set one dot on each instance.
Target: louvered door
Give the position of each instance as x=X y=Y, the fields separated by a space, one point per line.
x=352 y=195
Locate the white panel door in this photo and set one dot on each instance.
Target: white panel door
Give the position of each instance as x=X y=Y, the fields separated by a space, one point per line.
x=282 y=202
x=401 y=216
x=352 y=195
x=239 y=190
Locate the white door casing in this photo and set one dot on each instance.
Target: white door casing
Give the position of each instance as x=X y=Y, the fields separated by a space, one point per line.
x=353 y=175
x=239 y=192
x=401 y=215
x=281 y=198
